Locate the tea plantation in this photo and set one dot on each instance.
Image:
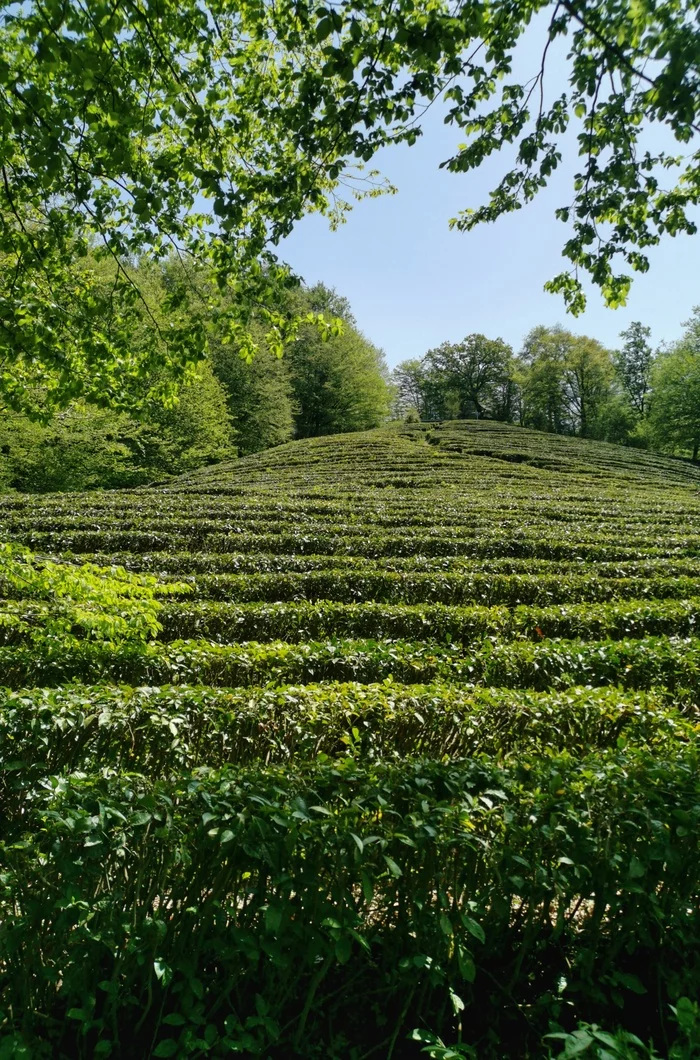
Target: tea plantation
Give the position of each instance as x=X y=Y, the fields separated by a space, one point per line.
x=416 y=756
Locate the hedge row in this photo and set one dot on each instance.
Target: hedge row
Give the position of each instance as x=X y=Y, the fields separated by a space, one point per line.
x=160 y=731
x=607 y=548
x=228 y=623
x=249 y=910
x=200 y=522
x=646 y=663
x=350 y=586
x=193 y=563
x=303 y=620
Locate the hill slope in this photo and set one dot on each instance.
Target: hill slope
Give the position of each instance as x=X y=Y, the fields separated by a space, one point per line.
x=425 y=730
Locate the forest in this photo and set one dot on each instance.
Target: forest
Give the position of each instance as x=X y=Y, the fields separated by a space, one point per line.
x=325 y=383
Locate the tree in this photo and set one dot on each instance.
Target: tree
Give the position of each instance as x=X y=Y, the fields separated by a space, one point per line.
x=83 y=447
x=194 y=131
x=587 y=376
x=410 y=379
x=675 y=403
x=259 y=396
x=565 y=381
x=633 y=364
x=206 y=130
x=196 y=430
x=478 y=370
x=541 y=379
x=338 y=384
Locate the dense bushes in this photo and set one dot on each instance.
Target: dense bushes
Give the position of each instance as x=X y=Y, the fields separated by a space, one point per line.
x=407 y=751
x=242 y=903
x=87 y=447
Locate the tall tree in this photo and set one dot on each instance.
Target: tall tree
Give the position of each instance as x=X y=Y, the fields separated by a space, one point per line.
x=411 y=383
x=587 y=375
x=340 y=383
x=541 y=379
x=478 y=370
x=675 y=402
x=565 y=381
x=633 y=364
x=259 y=396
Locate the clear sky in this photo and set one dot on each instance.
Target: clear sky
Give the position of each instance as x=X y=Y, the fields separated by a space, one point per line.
x=412 y=283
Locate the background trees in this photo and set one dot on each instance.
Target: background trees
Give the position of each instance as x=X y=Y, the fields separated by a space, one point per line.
x=83 y=447
x=476 y=372
x=675 y=397
x=259 y=396
x=540 y=377
x=633 y=364
x=209 y=130
x=566 y=384
x=559 y=382
x=322 y=386
x=340 y=384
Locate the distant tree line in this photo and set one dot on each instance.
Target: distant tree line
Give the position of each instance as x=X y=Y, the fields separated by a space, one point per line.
x=565 y=384
x=232 y=406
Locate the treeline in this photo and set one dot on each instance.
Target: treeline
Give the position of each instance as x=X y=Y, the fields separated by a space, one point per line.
x=322 y=385
x=565 y=384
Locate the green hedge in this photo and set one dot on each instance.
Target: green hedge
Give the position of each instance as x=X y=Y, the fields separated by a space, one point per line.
x=306 y=621
x=645 y=663
x=252 y=909
x=162 y=730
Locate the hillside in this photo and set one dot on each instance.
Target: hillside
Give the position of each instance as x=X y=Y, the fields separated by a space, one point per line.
x=417 y=753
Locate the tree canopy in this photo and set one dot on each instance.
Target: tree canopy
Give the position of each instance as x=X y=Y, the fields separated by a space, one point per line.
x=675 y=402
x=202 y=132
x=476 y=372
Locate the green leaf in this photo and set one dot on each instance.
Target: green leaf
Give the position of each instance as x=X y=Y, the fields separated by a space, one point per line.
x=467 y=967
x=166 y=1047
x=324 y=29
x=474 y=928
x=394 y=869
x=174 y=1019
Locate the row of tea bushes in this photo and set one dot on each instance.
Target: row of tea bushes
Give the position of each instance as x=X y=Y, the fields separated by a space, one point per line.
x=160 y=731
x=669 y=662
x=301 y=621
x=235 y=907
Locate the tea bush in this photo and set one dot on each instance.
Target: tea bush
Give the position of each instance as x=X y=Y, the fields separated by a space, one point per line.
x=382 y=745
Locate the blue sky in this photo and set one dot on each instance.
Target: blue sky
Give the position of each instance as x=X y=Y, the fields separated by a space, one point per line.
x=413 y=283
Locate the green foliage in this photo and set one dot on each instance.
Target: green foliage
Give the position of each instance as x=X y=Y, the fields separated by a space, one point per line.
x=204 y=134
x=565 y=381
x=259 y=397
x=633 y=364
x=340 y=384
x=194 y=431
x=477 y=372
x=64 y=606
x=85 y=447
x=410 y=381
x=445 y=803
x=167 y=153
x=592 y=1041
x=559 y=382
x=400 y=832
x=675 y=409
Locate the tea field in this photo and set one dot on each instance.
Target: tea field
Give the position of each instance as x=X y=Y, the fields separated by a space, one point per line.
x=415 y=758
